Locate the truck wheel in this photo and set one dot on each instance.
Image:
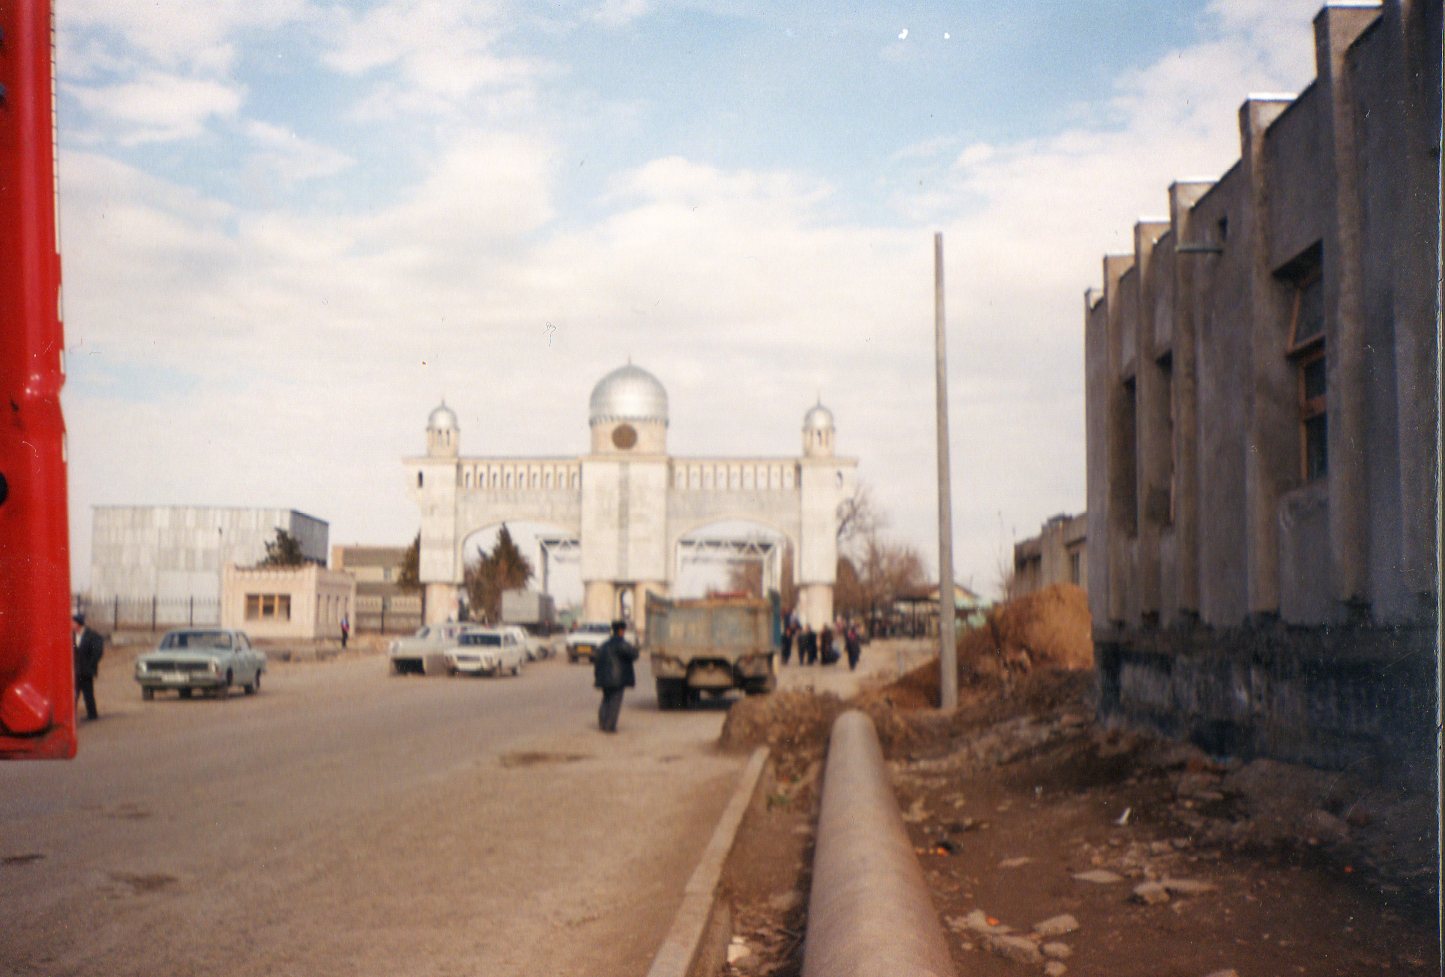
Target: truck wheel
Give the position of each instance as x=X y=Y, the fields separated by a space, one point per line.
x=670 y=693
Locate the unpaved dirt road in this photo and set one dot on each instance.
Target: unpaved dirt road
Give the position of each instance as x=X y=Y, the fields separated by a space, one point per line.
x=344 y=822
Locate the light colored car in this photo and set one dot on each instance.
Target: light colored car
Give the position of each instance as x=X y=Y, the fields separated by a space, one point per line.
x=424 y=653
x=584 y=640
x=487 y=651
x=536 y=648
x=209 y=659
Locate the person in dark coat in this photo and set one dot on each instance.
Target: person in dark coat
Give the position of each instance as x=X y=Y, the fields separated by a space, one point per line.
x=853 y=643
x=612 y=673
x=808 y=646
x=88 y=647
x=788 y=631
x=825 y=645
x=345 y=630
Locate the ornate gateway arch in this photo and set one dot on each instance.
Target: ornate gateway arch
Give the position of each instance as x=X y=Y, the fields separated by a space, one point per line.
x=628 y=502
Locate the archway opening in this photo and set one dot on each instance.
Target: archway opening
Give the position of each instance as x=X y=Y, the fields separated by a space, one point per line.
x=735 y=556
x=549 y=551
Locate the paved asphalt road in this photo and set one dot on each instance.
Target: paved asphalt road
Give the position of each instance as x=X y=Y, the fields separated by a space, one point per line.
x=345 y=822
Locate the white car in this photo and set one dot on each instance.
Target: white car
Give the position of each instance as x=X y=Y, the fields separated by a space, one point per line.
x=487 y=651
x=209 y=659
x=536 y=648
x=424 y=653
x=586 y=638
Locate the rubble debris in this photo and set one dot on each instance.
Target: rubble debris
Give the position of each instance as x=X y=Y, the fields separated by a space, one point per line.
x=1056 y=925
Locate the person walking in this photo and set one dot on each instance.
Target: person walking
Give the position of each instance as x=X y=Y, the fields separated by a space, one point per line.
x=788 y=632
x=808 y=646
x=345 y=630
x=612 y=673
x=88 y=647
x=853 y=644
x=825 y=645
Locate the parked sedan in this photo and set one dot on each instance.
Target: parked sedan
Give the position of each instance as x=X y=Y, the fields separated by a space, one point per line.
x=487 y=651
x=209 y=659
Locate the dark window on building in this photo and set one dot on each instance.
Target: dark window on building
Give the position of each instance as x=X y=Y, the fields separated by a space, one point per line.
x=1306 y=351
x=268 y=607
x=1314 y=456
x=1074 y=574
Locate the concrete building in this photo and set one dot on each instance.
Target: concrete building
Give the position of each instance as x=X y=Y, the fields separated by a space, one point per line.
x=173 y=555
x=627 y=505
x=1263 y=420
x=271 y=603
x=1058 y=554
x=381 y=603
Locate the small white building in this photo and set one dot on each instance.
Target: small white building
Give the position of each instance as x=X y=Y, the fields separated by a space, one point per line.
x=287 y=602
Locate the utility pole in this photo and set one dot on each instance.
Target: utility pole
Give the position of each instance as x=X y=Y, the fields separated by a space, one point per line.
x=948 y=650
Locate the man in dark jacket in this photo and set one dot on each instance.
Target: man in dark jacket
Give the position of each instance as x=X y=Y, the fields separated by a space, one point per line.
x=88 y=647
x=612 y=673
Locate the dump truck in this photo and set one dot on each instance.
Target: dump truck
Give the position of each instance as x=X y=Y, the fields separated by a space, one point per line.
x=712 y=644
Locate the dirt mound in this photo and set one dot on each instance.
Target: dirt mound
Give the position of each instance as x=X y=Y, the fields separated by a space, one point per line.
x=799 y=722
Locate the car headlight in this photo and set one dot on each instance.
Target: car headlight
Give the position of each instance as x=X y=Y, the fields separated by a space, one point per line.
x=214 y=667
x=140 y=667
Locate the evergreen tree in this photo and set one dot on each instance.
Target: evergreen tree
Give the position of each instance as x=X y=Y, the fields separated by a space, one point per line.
x=283 y=551
x=504 y=568
x=409 y=575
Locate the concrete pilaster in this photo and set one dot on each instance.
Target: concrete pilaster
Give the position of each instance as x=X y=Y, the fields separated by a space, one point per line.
x=441 y=602
x=599 y=600
x=1155 y=449
x=1418 y=292
x=815 y=604
x=1335 y=29
x=1121 y=445
x=1189 y=267
x=1272 y=462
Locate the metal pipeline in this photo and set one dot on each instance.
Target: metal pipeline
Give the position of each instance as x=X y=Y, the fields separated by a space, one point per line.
x=869 y=912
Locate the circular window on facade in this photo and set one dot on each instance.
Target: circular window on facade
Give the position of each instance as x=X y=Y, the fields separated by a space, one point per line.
x=624 y=436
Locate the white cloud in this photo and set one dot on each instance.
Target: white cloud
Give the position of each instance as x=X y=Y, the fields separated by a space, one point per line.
x=442 y=54
x=176 y=34
x=157 y=107
x=619 y=13
x=281 y=156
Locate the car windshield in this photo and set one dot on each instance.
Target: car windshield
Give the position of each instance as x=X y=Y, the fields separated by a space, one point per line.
x=481 y=639
x=195 y=639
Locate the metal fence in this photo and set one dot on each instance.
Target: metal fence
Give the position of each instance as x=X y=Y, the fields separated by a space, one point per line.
x=386 y=615
x=148 y=613
x=385 y=620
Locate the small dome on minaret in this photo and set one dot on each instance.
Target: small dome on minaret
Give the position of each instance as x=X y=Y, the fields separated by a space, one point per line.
x=818 y=431
x=442 y=432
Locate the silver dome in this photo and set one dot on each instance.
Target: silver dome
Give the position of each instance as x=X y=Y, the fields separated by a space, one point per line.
x=818 y=418
x=442 y=419
x=628 y=393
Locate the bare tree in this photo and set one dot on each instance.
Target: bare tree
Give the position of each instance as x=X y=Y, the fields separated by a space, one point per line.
x=858 y=518
x=882 y=572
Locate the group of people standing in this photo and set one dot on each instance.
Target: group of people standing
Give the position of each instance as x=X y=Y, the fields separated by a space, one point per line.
x=816 y=647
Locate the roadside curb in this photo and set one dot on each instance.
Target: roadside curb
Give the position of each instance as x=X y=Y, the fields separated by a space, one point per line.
x=697 y=940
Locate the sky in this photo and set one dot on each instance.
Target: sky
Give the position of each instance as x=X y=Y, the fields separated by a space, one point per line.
x=291 y=228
